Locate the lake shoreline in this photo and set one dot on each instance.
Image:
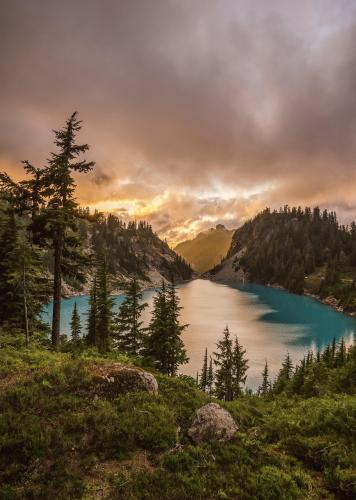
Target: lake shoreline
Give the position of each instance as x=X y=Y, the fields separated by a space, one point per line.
x=329 y=301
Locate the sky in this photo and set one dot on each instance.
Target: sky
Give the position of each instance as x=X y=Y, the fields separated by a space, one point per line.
x=198 y=112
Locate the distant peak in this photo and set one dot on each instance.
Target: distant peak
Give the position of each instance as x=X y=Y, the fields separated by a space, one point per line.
x=220 y=227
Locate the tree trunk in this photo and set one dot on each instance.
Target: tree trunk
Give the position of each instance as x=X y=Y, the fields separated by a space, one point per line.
x=57 y=288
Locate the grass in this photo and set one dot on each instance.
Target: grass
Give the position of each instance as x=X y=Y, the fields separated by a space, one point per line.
x=57 y=440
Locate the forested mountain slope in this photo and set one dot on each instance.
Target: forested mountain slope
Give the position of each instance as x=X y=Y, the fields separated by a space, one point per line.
x=131 y=249
x=297 y=249
x=207 y=249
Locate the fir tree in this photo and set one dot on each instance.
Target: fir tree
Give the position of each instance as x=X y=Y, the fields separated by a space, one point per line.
x=224 y=368
x=177 y=354
x=60 y=216
x=156 y=347
x=340 y=356
x=210 y=377
x=163 y=342
x=92 y=330
x=239 y=368
x=204 y=372
x=104 y=309
x=333 y=352
x=24 y=285
x=265 y=387
x=299 y=376
x=128 y=329
x=284 y=375
x=75 y=326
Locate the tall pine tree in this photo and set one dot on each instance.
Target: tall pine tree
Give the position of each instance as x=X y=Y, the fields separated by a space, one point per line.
x=104 y=309
x=92 y=330
x=176 y=351
x=128 y=330
x=265 y=386
x=204 y=372
x=75 y=326
x=239 y=368
x=163 y=344
x=58 y=222
x=224 y=367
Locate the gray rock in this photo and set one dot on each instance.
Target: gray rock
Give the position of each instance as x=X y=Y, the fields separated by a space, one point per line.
x=114 y=379
x=212 y=423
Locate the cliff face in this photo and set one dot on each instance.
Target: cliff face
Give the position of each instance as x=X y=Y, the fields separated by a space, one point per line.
x=207 y=249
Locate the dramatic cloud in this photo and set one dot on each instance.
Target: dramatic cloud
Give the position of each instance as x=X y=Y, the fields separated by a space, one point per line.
x=197 y=111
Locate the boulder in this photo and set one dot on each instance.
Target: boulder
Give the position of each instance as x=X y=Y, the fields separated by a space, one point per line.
x=111 y=380
x=212 y=423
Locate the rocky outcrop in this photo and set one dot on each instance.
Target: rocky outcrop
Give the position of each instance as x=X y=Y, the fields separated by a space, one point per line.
x=111 y=380
x=212 y=423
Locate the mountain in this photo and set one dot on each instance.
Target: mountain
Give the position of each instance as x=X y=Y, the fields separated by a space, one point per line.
x=300 y=250
x=131 y=249
x=207 y=249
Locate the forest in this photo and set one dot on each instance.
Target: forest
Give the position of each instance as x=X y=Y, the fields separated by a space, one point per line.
x=299 y=249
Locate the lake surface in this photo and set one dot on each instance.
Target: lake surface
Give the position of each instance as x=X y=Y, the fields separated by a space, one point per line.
x=268 y=321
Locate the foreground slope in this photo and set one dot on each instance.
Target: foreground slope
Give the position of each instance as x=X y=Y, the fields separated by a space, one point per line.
x=60 y=440
x=207 y=249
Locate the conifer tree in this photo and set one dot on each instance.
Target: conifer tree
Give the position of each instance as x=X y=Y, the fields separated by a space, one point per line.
x=224 y=367
x=60 y=216
x=163 y=344
x=299 y=376
x=210 y=378
x=75 y=326
x=92 y=330
x=177 y=354
x=284 y=375
x=340 y=356
x=24 y=286
x=239 y=368
x=156 y=347
x=128 y=329
x=333 y=352
x=104 y=309
x=265 y=387
x=204 y=372
x=287 y=367
x=327 y=356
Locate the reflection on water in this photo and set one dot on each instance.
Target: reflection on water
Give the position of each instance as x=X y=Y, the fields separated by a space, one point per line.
x=268 y=321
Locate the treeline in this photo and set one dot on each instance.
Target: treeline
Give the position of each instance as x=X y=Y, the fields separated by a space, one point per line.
x=332 y=369
x=159 y=345
x=47 y=240
x=285 y=246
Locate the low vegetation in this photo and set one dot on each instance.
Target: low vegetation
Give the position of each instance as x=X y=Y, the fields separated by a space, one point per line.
x=58 y=440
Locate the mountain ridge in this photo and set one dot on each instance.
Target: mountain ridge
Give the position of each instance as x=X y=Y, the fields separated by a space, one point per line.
x=207 y=248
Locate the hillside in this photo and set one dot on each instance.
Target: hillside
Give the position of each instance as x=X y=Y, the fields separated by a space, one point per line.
x=68 y=431
x=131 y=249
x=207 y=249
x=301 y=250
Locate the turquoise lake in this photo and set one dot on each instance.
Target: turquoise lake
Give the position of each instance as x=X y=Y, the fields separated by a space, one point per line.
x=268 y=321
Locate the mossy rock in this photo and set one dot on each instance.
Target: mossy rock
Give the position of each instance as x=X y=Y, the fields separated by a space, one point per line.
x=111 y=380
